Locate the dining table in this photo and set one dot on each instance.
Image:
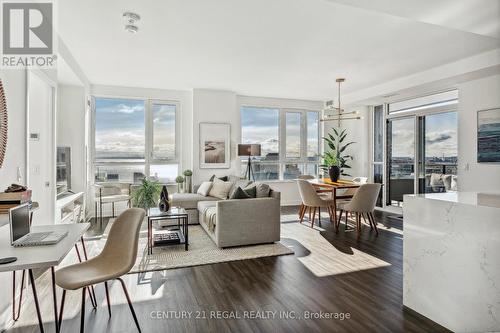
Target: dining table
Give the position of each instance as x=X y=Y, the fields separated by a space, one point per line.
x=327 y=185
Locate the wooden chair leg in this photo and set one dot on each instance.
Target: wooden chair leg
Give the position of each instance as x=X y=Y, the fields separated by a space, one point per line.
x=370 y=216
x=314 y=215
x=302 y=212
x=358 y=224
x=319 y=216
x=337 y=224
x=301 y=208
x=346 y=221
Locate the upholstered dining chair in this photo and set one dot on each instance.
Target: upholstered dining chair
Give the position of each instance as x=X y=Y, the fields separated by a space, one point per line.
x=313 y=201
x=116 y=259
x=362 y=204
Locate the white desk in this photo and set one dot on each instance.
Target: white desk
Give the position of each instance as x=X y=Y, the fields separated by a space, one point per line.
x=46 y=256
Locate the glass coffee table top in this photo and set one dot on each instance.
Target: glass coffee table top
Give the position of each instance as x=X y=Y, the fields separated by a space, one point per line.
x=173 y=211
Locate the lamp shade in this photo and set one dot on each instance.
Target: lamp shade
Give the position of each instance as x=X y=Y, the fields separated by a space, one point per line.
x=249 y=150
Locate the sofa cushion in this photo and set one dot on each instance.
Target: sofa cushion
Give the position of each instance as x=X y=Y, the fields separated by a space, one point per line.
x=262 y=190
x=204 y=188
x=240 y=194
x=224 y=179
x=189 y=200
x=202 y=205
x=238 y=183
x=220 y=189
x=251 y=190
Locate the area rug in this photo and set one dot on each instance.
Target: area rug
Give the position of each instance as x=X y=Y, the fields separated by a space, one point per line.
x=202 y=251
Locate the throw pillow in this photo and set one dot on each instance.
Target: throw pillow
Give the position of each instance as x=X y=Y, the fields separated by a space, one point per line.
x=204 y=188
x=454 y=184
x=446 y=181
x=239 y=193
x=262 y=190
x=239 y=183
x=220 y=189
x=224 y=179
x=251 y=190
x=436 y=179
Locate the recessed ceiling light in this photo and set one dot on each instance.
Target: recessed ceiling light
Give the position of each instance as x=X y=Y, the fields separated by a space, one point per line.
x=130 y=22
x=132 y=28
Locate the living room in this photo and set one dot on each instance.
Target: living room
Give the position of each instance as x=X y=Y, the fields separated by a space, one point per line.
x=251 y=166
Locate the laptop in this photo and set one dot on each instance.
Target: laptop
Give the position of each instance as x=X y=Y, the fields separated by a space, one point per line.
x=20 y=234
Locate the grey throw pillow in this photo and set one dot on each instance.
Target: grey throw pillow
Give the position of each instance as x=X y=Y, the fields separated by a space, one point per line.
x=238 y=183
x=239 y=193
x=251 y=190
x=262 y=190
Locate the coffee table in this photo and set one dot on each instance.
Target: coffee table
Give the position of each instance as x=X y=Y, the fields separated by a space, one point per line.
x=181 y=228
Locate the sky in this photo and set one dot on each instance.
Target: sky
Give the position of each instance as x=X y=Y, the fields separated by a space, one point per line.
x=120 y=128
x=440 y=136
x=261 y=125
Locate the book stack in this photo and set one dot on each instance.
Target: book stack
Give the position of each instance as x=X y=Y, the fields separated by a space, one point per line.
x=13 y=199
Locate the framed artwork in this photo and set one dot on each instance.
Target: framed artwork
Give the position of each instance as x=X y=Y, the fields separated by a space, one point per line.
x=215 y=142
x=488 y=136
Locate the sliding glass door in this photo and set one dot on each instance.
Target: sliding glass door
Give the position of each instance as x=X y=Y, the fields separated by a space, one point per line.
x=400 y=159
x=437 y=162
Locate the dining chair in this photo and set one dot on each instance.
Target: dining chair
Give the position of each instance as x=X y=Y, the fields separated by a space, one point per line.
x=314 y=202
x=116 y=259
x=362 y=204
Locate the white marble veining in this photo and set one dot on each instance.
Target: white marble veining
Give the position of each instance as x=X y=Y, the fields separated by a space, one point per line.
x=451 y=260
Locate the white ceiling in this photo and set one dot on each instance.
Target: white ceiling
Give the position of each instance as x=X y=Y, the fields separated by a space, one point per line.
x=278 y=48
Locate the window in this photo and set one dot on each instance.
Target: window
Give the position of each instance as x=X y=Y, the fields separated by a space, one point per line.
x=134 y=138
x=119 y=130
x=378 y=148
x=289 y=139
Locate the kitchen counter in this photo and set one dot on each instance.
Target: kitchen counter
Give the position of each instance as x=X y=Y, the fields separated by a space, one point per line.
x=451 y=259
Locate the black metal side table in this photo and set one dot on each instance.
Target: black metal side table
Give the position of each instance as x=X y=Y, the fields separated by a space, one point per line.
x=169 y=235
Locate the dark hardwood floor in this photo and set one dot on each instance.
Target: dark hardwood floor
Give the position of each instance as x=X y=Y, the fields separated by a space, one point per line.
x=371 y=298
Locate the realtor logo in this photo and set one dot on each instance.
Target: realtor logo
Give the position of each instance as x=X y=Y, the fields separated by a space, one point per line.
x=27 y=36
x=27 y=28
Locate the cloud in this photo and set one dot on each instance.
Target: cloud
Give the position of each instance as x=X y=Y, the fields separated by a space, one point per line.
x=127 y=109
x=437 y=137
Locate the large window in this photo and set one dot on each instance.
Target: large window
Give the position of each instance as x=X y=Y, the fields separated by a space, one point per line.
x=134 y=138
x=289 y=139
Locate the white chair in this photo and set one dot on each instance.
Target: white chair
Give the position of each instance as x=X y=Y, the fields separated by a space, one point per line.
x=111 y=193
x=362 y=204
x=313 y=201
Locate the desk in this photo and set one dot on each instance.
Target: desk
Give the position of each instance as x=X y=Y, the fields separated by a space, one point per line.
x=326 y=183
x=47 y=256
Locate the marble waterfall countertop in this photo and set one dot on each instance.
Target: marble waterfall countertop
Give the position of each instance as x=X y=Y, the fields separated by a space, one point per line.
x=451 y=259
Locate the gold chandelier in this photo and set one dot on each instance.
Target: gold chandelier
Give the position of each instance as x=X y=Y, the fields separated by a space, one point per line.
x=338 y=113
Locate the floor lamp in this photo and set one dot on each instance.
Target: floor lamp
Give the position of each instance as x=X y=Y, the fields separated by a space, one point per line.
x=249 y=150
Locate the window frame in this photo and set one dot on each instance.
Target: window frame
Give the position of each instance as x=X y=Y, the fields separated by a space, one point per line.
x=148 y=136
x=282 y=160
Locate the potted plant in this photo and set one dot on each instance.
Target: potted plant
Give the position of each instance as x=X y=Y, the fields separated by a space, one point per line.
x=188 y=176
x=179 y=180
x=335 y=160
x=147 y=194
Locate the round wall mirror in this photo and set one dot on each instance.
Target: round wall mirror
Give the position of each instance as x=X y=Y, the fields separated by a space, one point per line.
x=3 y=124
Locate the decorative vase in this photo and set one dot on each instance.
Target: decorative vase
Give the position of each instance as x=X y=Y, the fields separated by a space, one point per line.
x=334 y=172
x=164 y=204
x=187 y=186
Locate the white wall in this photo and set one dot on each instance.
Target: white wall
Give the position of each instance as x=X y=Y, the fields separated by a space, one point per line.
x=14 y=83
x=358 y=131
x=474 y=96
x=214 y=106
x=70 y=121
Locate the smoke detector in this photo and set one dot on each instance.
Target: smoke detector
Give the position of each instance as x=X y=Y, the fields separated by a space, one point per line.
x=130 y=22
